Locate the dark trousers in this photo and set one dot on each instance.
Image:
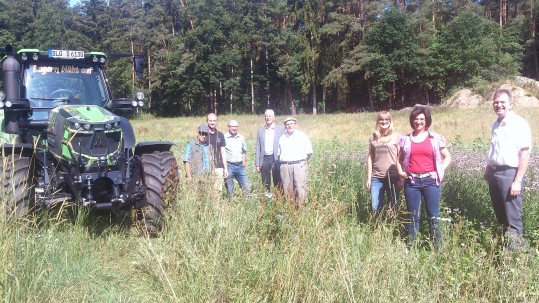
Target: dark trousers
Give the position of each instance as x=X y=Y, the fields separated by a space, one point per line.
x=508 y=208
x=268 y=170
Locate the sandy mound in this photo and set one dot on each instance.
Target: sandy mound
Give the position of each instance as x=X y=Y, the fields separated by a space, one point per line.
x=467 y=99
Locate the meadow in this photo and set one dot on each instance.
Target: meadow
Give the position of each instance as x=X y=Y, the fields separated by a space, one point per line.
x=255 y=249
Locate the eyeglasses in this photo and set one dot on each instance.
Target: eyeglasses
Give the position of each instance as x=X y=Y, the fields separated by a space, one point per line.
x=202 y=134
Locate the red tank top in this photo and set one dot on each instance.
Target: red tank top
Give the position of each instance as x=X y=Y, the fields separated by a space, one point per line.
x=421 y=157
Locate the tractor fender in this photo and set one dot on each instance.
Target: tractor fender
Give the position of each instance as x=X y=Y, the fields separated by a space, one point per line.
x=152 y=146
x=24 y=149
x=128 y=133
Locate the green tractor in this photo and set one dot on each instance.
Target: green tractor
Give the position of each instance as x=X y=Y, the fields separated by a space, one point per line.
x=63 y=139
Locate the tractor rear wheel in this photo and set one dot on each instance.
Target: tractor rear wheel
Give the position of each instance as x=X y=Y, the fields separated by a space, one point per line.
x=159 y=175
x=17 y=189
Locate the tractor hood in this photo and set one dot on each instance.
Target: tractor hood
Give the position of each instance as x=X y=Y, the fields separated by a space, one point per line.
x=86 y=135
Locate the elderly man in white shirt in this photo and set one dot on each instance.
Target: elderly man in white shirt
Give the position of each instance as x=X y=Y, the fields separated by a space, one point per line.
x=508 y=159
x=236 y=159
x=295 y=150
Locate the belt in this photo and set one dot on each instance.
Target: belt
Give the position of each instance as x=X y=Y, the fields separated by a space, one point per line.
x=269 y=155
x=421 y=175
x=235 y=163
x=500 y=167
x=292 y=162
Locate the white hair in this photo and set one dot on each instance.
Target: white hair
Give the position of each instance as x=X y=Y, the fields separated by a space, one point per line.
x=269 y=112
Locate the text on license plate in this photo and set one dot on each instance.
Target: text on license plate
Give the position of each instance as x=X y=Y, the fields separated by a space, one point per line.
x=66 y=54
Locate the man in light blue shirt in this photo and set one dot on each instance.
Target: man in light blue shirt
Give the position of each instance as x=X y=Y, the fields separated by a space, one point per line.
x=236 y=159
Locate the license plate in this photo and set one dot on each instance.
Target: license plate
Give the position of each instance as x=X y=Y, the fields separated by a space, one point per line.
x=66 y=54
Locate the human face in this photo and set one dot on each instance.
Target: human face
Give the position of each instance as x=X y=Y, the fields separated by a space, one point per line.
x=233 y=127
x=212 y=121
x=502 y=106
x=384 y=123
x=420 y=123
x=290 y=127
x=202 y=137
x=269 y=117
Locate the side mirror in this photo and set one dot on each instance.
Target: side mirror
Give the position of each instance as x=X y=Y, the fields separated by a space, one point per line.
x=138 y=63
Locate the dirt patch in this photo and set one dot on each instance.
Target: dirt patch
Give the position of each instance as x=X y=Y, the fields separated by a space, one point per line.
x=467 y=99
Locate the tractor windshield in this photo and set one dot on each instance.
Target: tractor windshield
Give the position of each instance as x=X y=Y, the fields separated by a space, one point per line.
x=49 y=86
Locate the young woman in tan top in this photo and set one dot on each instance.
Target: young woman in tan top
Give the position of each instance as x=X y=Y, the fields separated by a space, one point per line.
x=382 y=175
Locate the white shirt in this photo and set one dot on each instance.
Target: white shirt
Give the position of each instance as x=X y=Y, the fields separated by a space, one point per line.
x=294 y=147
x=235 y=147
x=268 y=139
x=507 y=139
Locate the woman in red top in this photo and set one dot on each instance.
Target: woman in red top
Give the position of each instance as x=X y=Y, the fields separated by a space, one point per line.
x=423 y=160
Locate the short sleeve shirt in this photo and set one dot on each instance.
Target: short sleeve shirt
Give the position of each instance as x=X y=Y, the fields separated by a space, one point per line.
x=508 y=137
x=235 y=147
x=216 y=141
x=294 y=147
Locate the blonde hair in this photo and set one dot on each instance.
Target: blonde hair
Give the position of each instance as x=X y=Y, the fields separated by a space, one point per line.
x=383 y=115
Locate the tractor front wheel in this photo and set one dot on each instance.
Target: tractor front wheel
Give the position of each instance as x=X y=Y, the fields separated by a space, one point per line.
x=17 y=188
x=159 y=175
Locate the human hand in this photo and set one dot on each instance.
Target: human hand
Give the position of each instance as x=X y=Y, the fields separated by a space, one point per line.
x=368 y=183
x=258 y=169
x=516 y=188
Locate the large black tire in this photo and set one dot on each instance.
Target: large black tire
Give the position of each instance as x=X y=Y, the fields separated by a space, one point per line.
x=159 y=176
x=17 y=188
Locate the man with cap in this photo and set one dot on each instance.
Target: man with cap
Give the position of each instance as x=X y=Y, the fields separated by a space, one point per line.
x=267 y=151
x=295 y=150
x=236 y=158
x=196 y=159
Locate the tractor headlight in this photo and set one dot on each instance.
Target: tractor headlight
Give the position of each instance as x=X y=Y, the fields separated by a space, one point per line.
x=86 y=126
x=134 y=103
x=102 y=60
x=75 y=125
x=108 y=126
x=117 y=125
x=140 y=103
x=94 y=59
x=35 y=57
x=24 y=57
x=8 y=104
x=1 y=104
x=139 y=96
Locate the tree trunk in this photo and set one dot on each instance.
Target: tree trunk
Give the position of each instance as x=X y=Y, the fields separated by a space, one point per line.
x=314 y=100
x=252 y=90
x=292 y=106
x=268 y=78
x=324 y=100
x=149 y=79
x=371 y=101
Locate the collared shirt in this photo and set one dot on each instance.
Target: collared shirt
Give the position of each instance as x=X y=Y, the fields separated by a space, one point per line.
x=508 y=137
x=437 y=141
x=268 y=139
x=198 y=156
x=235 y=147
x=294 y=147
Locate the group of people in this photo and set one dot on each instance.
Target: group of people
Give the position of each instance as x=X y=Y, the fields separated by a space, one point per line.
x=282 y=156
x=416 y=162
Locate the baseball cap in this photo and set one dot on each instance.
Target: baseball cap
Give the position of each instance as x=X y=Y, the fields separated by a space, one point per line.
x=203 y=128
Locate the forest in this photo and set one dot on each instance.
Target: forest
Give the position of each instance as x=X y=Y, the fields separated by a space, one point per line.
x=295 y=56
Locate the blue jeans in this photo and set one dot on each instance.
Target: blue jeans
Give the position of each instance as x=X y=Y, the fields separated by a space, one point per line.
x=379 y=186
x=427 y=189
x=237 y=172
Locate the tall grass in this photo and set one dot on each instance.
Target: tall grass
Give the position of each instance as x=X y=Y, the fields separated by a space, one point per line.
x=256 y=249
